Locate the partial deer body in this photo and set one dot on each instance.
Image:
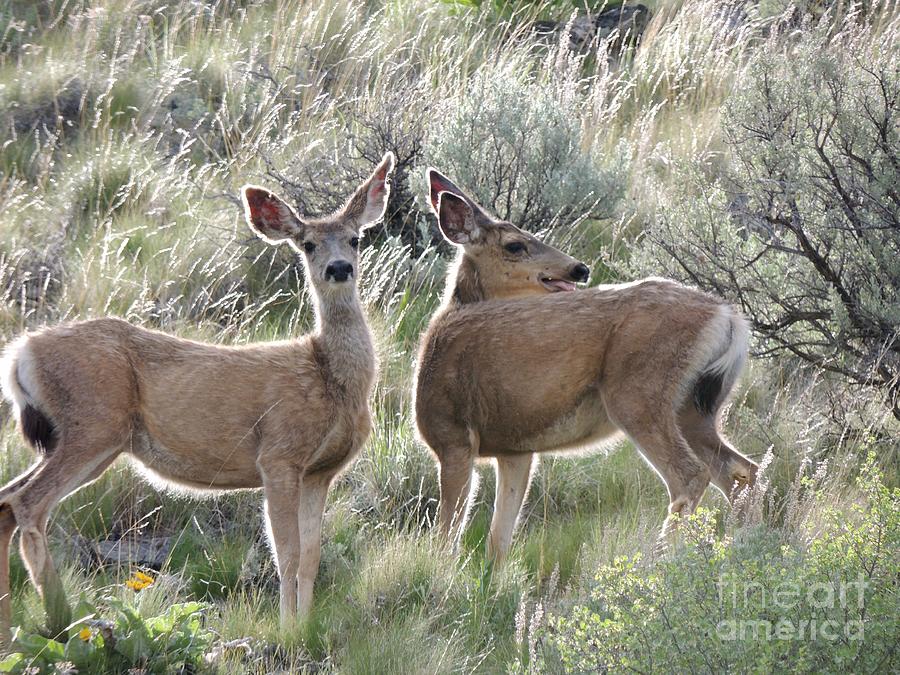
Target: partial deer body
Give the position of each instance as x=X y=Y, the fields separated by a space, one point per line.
x=284 y=416
x=508 y=370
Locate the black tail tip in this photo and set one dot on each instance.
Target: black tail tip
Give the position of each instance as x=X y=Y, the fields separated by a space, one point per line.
x=707 y=392
x=38 y=430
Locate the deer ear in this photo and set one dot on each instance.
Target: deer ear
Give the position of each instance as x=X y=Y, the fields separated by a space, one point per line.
x=268 y=216
x=369 y=202
x=457 y=219
x=438 y=183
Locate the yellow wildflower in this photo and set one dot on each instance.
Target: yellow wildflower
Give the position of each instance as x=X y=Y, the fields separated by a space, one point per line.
x=146 y=578
x=85 y=634
x=139 y=581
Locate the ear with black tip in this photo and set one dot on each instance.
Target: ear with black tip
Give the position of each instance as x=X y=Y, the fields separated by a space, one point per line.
x=269 y=216
x=369 y=202
x=457 y=219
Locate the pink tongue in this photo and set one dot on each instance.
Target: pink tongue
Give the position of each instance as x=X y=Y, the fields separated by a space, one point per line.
x=561 y=285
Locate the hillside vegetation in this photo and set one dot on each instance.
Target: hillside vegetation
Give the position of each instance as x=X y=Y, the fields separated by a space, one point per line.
x=750 y=148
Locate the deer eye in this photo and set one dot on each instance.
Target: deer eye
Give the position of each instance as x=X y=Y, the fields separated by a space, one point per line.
x=308 y=246
x=354 y=242
x=515 y=247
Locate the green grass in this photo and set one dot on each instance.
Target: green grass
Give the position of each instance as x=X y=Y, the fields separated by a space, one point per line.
x=123 y=151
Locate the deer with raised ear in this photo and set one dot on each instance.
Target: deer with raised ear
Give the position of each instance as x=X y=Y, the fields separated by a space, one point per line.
x=282 y=416
x=514 y=364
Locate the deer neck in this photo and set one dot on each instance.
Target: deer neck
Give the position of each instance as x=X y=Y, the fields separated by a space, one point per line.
x=343 y=338
x=464 y=284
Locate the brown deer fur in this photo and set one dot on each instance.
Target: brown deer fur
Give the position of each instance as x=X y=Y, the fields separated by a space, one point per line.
x=509 y=368
x=284 y=416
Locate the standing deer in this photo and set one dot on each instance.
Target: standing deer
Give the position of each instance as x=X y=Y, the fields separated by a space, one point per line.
x=512 y=365
x=285 y=416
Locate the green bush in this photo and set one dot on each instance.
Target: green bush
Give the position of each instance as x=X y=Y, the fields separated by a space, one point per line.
x=173 y=641
x=514 y=139
x=803 y=229
x=746 y=602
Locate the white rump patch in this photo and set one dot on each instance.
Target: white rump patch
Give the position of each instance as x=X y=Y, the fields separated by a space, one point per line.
x=721 y=348
x=17 y=375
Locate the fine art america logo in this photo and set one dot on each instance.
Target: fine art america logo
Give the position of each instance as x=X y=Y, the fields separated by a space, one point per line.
x=818 y=611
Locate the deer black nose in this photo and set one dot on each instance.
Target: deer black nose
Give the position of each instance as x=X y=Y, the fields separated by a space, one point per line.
x=339 y=270
x=580 y=272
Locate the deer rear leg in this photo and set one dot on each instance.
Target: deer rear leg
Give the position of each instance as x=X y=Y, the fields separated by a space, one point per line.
x=68 y=468
x=7 y=529
x=457 y=487
x=662 y=445
x=19 y=481
x=282 y=488
x=730 y=470
x=513 y=480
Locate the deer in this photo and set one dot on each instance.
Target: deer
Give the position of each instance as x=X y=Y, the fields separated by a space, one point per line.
x=283 y=416
x=515 y=363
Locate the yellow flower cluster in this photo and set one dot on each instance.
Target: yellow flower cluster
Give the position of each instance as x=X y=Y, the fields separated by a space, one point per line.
x=139 y=581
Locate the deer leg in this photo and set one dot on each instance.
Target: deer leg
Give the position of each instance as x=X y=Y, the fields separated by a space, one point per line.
x=457 y=488
x=730 y=470
x=686 y=477
x=35 y=551
x=19 y=481
x=313 y=493
x=63 y=472
x=282 y=486
x=663 y=446
x=513 y=480
x=7 y=529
